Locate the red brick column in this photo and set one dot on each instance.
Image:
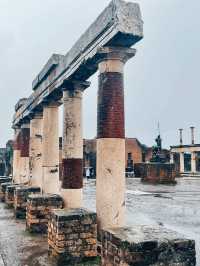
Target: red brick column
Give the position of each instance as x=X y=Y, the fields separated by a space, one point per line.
x=72 y=156
x=111 y=137
x=16 y=155
x=24 y=148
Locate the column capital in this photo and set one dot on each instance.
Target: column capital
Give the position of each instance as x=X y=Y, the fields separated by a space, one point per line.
x=72 y=85
x=116 y=53
x=51 y=104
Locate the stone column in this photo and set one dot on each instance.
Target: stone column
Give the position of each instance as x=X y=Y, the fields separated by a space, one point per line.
x=181 y=136
x=72 y=157
x=182 y=162
x=24 y=159
x=193 y=162
x=111 y=137
x=36 y=149
x=171 y=157
x=16 y=156
x=50 y=148
x=192 y=135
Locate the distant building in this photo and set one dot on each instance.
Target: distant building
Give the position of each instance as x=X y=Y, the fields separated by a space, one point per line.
x=135 y=151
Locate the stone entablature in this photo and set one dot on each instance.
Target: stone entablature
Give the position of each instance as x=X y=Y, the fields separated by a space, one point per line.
x=185 y=148
x=119 y=24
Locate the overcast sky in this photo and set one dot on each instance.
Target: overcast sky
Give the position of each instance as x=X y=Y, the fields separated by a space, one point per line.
x=161 y=82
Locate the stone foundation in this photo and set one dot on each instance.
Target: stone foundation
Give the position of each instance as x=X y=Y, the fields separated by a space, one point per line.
x=38 y=211
x=3 y=187
x=72 y=236
x=158 y=173
x=9 y=195
x=146 y=246
x=20 y=200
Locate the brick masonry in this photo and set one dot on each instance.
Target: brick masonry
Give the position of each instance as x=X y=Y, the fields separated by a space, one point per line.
x=20 y=199
x=9 y=195
x=110 y=115
x=38 y=211
x=3 y=187
x=72 y=235
x=146 y=246
x=162 y=173
x=72 y=173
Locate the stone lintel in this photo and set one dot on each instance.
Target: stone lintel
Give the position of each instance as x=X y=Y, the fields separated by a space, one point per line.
x=47 y=69
x=69 y=85
x=146 y=245
x=20 y=103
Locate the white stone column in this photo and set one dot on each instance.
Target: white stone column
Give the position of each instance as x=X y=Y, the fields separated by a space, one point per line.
x=193 y=162
x=16 y=156
x=50 y=148
x=111 y=137
x=36 y=149
x=171 y=157
x=72 y=156
x=24 y=147
x=182 y=162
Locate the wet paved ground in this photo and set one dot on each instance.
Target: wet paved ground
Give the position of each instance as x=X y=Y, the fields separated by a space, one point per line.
x=175 y=207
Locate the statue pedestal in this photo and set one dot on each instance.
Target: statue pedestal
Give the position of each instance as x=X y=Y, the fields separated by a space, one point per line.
x=156 y=173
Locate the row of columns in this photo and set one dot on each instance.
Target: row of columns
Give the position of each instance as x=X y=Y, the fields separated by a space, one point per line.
x=182 y=162
x=37 y=161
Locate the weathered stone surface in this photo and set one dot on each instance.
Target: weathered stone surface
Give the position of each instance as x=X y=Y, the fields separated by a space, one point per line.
x=146 y=246
x=9 y=195
x=120 y=24
x=39 y=208
x=72 y=235
x=20 y=199
x=3 y=187
x=160 y=173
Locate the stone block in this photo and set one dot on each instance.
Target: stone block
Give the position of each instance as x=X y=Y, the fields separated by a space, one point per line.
x=38 y=211
x=9 y=194
x=72 y=236
x=5 y=179
x=146 y=246
x=158 y=173
x=20 y=199
x=3 y=187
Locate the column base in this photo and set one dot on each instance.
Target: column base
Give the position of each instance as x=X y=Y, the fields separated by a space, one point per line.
x=3 y=187
x=72 y=236
x=20 y=200
x=143 y=245
x=39 y=208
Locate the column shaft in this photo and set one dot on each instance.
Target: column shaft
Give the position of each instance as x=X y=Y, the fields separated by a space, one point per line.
x=36 y=150
x=72 y=162
x=182 y=162
x=16 y=156
x=24 y=159
x=171 y=158
x=193 y=162
x=50 y=149
x=111 y=138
